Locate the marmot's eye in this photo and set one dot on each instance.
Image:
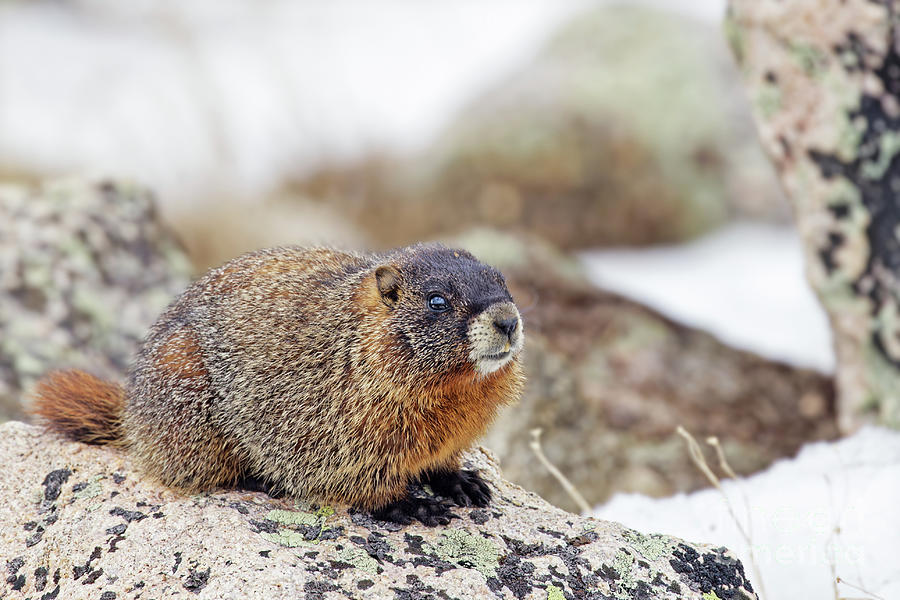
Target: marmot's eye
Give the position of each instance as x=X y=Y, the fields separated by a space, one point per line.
x=438 y=303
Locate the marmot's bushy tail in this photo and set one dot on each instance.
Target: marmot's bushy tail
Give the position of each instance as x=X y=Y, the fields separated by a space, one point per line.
x=83 y=407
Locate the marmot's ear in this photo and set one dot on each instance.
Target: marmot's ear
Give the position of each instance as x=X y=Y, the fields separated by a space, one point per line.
x=388 y=279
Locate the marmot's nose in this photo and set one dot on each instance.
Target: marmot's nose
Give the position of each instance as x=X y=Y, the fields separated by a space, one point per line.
x=506 y=326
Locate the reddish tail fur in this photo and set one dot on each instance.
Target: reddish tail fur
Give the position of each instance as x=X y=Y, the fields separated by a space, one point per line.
x=80 y=406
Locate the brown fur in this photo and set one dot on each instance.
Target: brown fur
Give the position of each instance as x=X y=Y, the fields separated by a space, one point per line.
x=80 y=406
x=319 y=371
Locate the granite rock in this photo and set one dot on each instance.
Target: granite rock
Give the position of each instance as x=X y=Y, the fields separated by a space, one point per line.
x=78 y=522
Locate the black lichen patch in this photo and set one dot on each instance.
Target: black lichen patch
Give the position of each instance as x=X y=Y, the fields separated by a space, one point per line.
x=35 y=537
x=53 y=517
x=40 y=579
x=479 y=516
x=29 y=525
x=79 y=486
x=16 y=583
x=115 y=540
x=608 y=573
x=331 y=533
x=516 y=574
x=417 y=590
x=53 y=482
x=414 y=546
x=875 y=173
x=79 y=571
x=13 y=566
x=196 y=580
x=51 y=595
x=238 y=506
x=108 y=596
x=118 y=478
x=550 y=532
x=92 y=577
x=316 y=590
x=579 y=578
x=364 y=584
x=364 y=519
x=716 y=573
x=128 y=515
x=828 y=252
x=117 y=529
x=376 y=546
x=177 y=562
x=264 y=526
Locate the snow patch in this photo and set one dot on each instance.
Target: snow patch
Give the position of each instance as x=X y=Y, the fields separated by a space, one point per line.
x=835 y=503
x=744 y=283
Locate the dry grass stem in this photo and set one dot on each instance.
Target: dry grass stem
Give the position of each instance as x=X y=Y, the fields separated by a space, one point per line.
x=869 y=595
x=699 y=460
x=564 y=482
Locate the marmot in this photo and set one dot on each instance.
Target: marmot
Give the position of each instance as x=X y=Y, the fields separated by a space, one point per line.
x=325 y=375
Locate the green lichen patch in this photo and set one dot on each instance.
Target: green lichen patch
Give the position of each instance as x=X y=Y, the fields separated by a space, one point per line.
x=292 y=517
x=359 y=558
x=734 y=36
x=623 y=563
x=768 y=100
x=300 y=526
x=650 y=546
x=811 y=59
x=460 y=547
x=554 y=593
x=91 y=489
x=711 y=596
x=888 y=147
x=286 y=537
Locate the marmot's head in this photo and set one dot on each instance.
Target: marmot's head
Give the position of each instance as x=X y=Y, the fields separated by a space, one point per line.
x=447 y=311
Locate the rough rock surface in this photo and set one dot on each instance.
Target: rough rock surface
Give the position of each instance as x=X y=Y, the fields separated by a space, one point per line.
x=608 y=380
x=825 y=80
x=78 y=522
x=84 y=270
x=608 y=137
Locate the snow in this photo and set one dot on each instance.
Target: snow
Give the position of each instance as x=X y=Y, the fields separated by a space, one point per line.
x=745 y=283
x=835 y=504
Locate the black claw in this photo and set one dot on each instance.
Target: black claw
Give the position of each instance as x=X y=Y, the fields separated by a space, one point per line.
x=464 y=488
x=429 y=511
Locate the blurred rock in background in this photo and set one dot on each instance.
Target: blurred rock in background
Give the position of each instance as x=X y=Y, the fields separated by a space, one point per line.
x=826 y=85
x=629 y=127
x=608 y=380
x=618 y=125
x=85 y=269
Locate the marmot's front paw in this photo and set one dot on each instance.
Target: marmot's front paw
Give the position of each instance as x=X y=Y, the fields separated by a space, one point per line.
x=465 y=488
x=429 y=511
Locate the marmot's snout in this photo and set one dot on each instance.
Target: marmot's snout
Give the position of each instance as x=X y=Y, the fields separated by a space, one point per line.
x=495 y=337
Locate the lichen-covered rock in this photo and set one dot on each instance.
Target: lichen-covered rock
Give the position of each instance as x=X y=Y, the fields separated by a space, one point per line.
x=85 y=268
x=608 y=137
x=825 y=80
x=608 y=380
x=78 y=522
